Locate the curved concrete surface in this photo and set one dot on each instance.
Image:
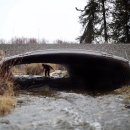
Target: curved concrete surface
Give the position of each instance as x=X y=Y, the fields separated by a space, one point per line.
x=87 y=69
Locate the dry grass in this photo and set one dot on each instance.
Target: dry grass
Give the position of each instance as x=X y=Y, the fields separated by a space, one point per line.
x=6 y=87
x=34 y=69
x=125 y=91
x=6 y=100
x=7 y=93
x=6 y=103
x=18 y=69
x=29 y=69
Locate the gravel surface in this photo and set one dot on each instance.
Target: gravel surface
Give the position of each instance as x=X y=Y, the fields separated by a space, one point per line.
x=122 y=50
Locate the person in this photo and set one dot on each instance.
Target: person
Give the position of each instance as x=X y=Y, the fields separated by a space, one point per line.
x=47 y=69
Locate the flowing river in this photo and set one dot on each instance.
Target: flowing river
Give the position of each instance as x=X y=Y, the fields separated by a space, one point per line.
x=68 y=111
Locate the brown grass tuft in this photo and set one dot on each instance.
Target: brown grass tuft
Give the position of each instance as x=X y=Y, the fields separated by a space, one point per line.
x=33 y=69
x=124 y=89
x=6 y=98
x=6 y=103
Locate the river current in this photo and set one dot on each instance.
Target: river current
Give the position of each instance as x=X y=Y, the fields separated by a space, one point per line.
x=68 y=111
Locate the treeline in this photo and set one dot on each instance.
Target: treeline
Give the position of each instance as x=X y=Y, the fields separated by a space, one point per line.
x=106 y=21
x=24 y=40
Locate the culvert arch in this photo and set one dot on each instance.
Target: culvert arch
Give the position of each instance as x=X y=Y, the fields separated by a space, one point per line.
x=88 y=70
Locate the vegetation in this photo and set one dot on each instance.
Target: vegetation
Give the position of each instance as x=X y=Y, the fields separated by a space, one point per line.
x=121 y=21
x=23 y=40
x=33 y=69
x=105 y=19
x=89 y=19
x=6 y=92
x=124 y=90
x=93 y=19
x=6 y=99
x=7 y=87
x=102 y=21
x=6 y=103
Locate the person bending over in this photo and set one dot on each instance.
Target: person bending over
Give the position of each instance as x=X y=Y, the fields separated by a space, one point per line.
x=47 y=69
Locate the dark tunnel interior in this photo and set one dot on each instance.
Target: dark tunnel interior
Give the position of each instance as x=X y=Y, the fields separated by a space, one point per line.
x=87 y=72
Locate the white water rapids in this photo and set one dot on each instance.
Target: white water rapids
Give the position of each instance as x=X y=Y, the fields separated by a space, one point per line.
x=67 y=111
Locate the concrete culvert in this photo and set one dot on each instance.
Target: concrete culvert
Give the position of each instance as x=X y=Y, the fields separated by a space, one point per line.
x=87 y=70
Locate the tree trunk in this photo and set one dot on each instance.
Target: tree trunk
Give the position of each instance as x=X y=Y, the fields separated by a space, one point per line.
x=127 y=19
x=104 y=19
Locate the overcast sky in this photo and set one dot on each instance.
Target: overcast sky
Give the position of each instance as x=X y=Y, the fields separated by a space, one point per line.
x=49 y=19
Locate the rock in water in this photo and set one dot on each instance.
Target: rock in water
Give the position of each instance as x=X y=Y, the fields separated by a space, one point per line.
x=59 y=73
x=45 y=88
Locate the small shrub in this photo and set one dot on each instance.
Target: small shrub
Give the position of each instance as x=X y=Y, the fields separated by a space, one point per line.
x=6 y=100
x=6 y=91
x=124 y=89
x=127 y=96
x=6 y=103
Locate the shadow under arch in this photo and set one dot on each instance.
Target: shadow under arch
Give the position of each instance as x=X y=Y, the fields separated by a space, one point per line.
x=88 y=70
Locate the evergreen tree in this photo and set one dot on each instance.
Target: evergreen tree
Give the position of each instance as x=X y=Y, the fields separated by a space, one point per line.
x=88 y=19
x=121 y=21
x=93 y=20
x=103 y=9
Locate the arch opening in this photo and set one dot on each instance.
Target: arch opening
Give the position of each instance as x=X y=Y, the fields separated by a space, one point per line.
x=87 y=71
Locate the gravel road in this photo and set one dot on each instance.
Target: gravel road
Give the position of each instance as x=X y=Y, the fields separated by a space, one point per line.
x=122 y=50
